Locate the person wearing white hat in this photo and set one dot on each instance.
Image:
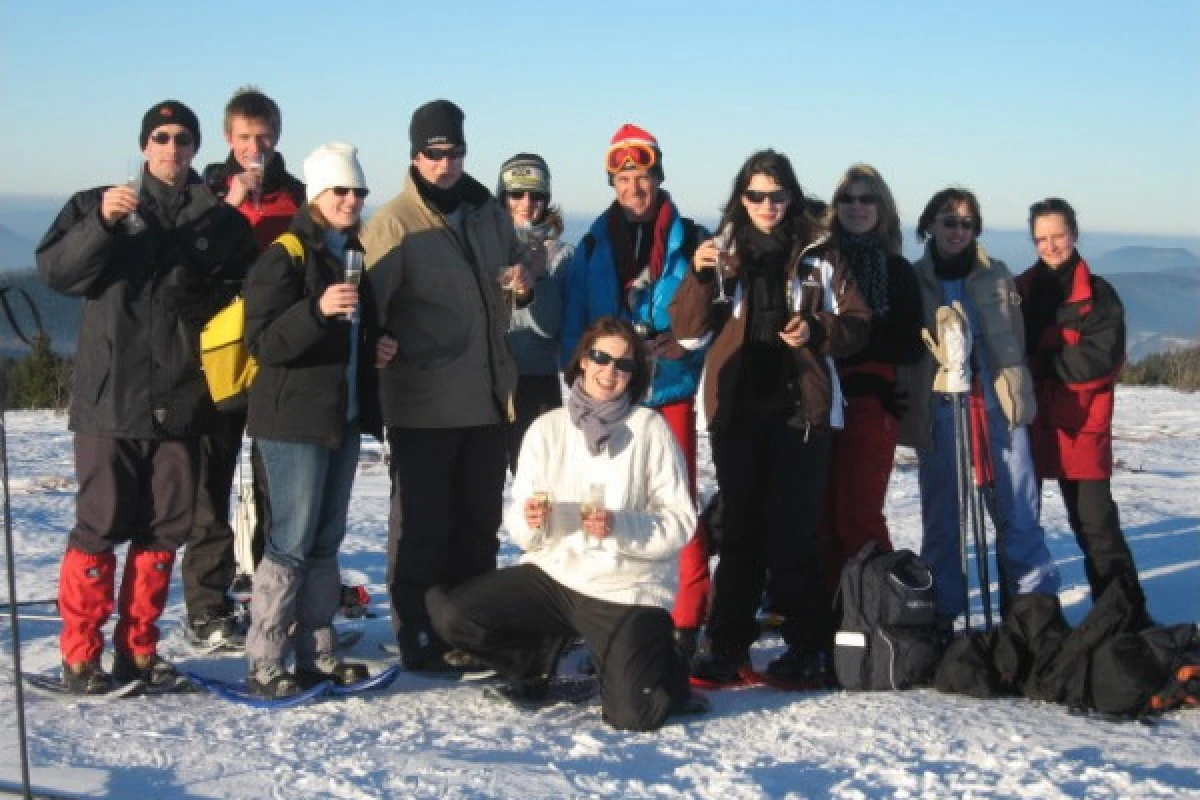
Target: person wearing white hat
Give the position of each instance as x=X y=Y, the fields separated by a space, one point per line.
x=311 y=326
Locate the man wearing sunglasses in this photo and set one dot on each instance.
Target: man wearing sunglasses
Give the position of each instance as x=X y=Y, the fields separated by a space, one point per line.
x=254 y=180
x=629 y=265
x=438 y=253
x=139 y=403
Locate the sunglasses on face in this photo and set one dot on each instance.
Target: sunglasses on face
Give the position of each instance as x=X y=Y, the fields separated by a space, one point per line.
x=442 y=153
x=777 y=197
x=859 y=199
x=603 y=359
x=183 y=139
x=629 y=155
x=521 y=194
x=951 y=223
x=342 y=191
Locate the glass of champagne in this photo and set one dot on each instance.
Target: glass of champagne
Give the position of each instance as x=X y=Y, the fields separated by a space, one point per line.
x=133 y=222
x=542 y=499
x=258 y=166
x=722 y=261
x=353 y=274
x=592 y=504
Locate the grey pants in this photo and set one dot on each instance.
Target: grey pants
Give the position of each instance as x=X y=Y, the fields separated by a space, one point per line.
x=293 y=607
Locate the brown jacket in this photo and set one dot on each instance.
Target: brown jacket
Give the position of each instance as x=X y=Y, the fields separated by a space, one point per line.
x=819 y=290
x=998 y=306
x=438 y=293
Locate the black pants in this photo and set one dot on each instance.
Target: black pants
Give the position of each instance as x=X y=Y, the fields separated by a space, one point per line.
x=447 y=500
x=1097 y=525
x=133 y=490
x=535 y=395
x=517 y=620
x=772 y=480
x=208 y=561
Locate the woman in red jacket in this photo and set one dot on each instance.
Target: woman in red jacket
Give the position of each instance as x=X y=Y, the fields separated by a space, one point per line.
x=1075 y=339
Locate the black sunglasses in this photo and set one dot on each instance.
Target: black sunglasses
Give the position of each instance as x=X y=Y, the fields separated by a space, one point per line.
x=519 y=194
x=777 y=197
x=603 y=359
x=182 y=139
x=860 y=199
x=342 y=191
x=439 y=153
x=950 y=223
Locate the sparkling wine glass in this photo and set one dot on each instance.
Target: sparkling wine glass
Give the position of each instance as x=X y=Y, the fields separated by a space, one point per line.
x=592 y=503
x=353 y=273
x=258 y=166
x=134 y=223
x=722 y=262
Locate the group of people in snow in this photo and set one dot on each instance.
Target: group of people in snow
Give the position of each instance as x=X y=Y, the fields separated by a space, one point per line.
x=800 y=326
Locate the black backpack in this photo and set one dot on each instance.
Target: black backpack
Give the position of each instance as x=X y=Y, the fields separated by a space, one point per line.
x=888 y=638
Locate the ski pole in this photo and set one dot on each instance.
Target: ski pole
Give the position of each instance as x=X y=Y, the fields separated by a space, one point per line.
x=962 y=488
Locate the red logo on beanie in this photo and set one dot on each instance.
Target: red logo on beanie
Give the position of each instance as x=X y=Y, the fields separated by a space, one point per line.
x=166 y=111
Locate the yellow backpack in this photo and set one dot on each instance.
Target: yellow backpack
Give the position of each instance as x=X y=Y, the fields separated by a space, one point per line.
x=229 y=369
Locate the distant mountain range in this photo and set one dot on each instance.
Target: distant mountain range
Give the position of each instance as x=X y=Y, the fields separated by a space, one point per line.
x=1159 y=285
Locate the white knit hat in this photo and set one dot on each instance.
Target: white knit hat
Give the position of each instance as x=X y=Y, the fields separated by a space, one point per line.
x=331 y=165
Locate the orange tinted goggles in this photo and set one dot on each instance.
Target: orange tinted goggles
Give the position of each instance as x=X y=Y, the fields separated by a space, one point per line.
x=630 y=155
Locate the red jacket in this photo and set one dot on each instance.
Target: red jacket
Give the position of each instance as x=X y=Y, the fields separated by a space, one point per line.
x=1075 y=338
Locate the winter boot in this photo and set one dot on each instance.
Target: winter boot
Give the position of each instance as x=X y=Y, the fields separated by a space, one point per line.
x=720 y=667
x=87 y=677
x=85 y=601
x=328 y=667
x=141 y=601
x=687 y=640
x=802 y=668
x=269 y=679
x=273 y=612
x=216 y=633
x=158 y=675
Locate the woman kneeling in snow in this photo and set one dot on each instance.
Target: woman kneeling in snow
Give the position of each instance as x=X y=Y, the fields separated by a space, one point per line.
x=601 y=508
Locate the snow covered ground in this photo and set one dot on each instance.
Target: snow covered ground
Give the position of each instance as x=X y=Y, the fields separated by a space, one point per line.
x=425 y=738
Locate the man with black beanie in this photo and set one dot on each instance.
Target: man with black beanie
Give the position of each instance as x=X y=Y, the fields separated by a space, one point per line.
x=139 y=403
x=443 y=259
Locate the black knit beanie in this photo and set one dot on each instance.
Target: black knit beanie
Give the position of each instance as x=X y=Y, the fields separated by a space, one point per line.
x=436 y=122
x=169 y=112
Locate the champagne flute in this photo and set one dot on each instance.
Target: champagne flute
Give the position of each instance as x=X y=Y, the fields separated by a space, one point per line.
x=723 y=254
x=542 y=499
x=134 y=223
x=353 y=274
x=593 y=503
x=258 y=166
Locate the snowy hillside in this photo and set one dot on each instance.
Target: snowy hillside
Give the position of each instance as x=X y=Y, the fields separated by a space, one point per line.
x=427 y=738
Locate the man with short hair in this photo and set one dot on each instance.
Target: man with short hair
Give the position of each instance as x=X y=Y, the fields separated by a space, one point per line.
x=139 y=402
x=1075 y=340
x=254 y=180
x=437 y=255
x=629 y=265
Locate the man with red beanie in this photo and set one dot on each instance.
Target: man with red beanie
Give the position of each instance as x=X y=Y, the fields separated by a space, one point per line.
x=151 y=266
x=629 y=265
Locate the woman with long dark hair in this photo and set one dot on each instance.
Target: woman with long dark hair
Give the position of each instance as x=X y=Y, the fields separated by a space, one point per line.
x=772 y=398
x=312 y=327
x=865 y=237
x=955 y=270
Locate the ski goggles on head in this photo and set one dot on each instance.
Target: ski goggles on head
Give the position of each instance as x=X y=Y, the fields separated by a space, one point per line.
x=630 y=155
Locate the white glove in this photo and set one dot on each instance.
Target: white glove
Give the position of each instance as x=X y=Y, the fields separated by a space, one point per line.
x=952 y=350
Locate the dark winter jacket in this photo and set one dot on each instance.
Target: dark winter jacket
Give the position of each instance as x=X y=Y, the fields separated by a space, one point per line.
x=300 y=393
x=820 y=291
x=1076 y=351
x=282 y=196
x=146 y=299
x=1110 y=662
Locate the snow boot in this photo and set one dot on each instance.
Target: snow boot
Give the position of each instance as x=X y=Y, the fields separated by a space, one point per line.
x=802 y=668
x=328 y=667
x=158 y=674
x=141 y=601
x=86 y=678
x=216 y=633
x=269 y=679
x=719 y=667
x=85 y=601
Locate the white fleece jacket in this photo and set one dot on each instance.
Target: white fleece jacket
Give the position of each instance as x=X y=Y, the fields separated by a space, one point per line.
x=646 y=490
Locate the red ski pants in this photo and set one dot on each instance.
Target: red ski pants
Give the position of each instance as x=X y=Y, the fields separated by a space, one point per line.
x=691 y=600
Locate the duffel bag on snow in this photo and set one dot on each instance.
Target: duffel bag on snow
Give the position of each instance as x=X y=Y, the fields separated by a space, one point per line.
x=887 y=637
x=229 y=369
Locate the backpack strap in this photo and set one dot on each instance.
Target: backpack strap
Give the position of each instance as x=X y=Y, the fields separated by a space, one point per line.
x=292 y=244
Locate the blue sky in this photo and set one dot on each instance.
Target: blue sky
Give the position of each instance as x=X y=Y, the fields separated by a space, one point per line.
x=1096 y=101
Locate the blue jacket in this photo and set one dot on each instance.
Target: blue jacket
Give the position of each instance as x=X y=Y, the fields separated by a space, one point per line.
x=591 y=292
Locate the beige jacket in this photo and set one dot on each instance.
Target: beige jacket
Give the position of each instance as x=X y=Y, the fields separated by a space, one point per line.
x=998 y=310
x=438 y=293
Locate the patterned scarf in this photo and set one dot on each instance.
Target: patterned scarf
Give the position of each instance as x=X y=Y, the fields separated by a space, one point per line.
x=868 y=264
x=594 y=417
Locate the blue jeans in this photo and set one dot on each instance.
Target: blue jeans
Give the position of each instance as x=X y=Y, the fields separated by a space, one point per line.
x=308 y=486
x=1021 y=542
